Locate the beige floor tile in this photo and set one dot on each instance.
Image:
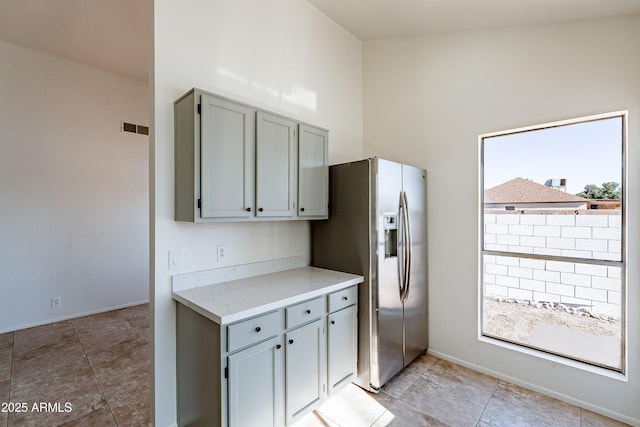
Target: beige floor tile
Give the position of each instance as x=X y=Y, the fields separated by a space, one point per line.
x=6 y=339
x=119 y=369
x=591 y=419
x=383 y=398
x=403 y=415
x=385 y=419
x=59 y=375
x=105 y=331
x=133 y=410
x=513 y=405
x=137 y=316
x=314 y=419
x=53 y=364
x=405 y=378
x=99 y=417
x=397 y=385
x=6 y=356
x=124 y=375
x=4 y=397
x=450 y=393
x=32 y=342
x=352 y=407
x=35 y=418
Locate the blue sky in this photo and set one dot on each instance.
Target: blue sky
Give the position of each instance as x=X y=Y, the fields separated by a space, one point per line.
x=583 y=153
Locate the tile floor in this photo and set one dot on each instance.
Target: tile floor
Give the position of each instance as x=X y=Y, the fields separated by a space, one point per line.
x=100 y=364
x=434 y=392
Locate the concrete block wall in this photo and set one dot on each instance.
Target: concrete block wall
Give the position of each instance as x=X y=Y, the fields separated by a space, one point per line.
x=571 y=235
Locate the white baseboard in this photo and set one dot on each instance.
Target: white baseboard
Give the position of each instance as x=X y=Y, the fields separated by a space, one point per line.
x=547 y=392
x=71 y=316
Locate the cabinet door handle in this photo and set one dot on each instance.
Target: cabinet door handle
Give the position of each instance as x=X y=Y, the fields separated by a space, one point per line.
x=278 y=346
x=345 y=298
x=301 y=209
x=258 y=329
x=290 y=341
x=260 y=209
x=333 y=322
x=308 y=311
x=248 y=209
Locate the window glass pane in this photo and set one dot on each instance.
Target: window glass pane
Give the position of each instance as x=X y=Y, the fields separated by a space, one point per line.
x=555 y=191
x=570 y=309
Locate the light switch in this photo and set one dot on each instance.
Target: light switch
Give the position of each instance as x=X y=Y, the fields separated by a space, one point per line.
x=175 y=259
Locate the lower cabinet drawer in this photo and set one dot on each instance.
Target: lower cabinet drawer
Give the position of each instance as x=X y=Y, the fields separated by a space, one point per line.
x=344 y=298
x=254 y=330
x=304 y=312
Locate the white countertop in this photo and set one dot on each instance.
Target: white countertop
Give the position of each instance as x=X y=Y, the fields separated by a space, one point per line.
x=228 y=302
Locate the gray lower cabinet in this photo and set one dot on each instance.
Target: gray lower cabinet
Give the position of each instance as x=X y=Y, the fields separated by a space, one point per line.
x=342 y=347
x=266 y=370
x=256 y=385
x=305 y=369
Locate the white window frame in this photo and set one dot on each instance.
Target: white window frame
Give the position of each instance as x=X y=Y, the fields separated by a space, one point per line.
x=558 y=358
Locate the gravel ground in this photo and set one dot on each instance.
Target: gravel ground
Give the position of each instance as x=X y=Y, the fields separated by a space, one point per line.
x=517 y=322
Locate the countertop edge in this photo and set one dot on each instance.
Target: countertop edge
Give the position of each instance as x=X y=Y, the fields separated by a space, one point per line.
x=270 y=306
x=197 y=308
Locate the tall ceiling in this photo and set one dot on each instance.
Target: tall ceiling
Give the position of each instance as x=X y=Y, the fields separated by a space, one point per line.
x=113 y=34
x=380 y=19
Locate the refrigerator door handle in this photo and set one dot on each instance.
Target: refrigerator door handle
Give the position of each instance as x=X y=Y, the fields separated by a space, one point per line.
x=407 y=246
x=401 y=248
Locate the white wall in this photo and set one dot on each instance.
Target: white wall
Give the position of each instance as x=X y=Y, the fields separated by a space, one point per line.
x=426 y=100
x=282 y=55
x=73 y=189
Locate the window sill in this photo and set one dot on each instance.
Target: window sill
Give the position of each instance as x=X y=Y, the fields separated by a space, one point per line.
x=556 y=359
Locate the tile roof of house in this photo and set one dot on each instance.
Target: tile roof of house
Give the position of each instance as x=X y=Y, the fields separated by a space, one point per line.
x=520 y=190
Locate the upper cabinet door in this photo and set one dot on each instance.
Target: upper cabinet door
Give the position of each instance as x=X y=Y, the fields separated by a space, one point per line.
x=227 y=158
x=313 y=172
x=276 y=151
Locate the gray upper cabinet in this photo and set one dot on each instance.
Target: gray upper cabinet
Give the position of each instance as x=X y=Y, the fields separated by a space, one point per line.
x=275 y=166
x=313 y=172
x=235 y=162
x=227 y=159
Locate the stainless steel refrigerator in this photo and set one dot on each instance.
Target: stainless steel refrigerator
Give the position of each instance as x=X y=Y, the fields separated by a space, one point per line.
x=377 y=228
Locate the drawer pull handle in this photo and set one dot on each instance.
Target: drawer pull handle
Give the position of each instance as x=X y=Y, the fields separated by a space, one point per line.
x=345 y=298
x=290 y=341
x=258 y=329
x=278 y=346
x=333 y=322
x=308 y=311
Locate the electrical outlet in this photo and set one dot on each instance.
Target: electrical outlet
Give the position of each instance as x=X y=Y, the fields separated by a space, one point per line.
x=222 y=252
x=56 y=302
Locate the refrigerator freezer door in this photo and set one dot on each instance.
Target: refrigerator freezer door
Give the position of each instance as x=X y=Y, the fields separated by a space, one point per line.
x=343 y=243
x=387 y=330
x=415 y=304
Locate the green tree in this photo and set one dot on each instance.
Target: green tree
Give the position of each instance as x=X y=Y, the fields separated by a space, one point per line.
x=608 y=191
